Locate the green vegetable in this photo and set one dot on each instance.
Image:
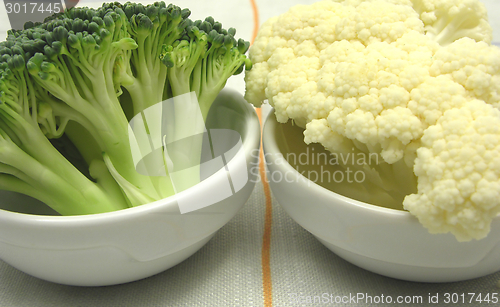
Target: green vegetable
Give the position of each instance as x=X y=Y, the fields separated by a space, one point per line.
x=69 y=87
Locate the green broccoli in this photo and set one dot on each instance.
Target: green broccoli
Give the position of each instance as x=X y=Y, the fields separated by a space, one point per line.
x=200 y=62
x=73 y=83
x=203 y=59
x=29 y=163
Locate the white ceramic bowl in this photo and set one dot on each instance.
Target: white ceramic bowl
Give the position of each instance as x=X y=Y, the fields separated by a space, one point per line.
x=386 y=241
x=131 y=244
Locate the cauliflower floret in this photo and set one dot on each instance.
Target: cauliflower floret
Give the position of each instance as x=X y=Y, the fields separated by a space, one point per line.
x=476 y=66
x=320 y=132
x=254 y=86
x=291 y=85
x=378 y=21
x=458 y=171
x=381 y=76
x=369 y=92
x=309 y=29
x=434 y=96
x=447 y=21
x=303 y=31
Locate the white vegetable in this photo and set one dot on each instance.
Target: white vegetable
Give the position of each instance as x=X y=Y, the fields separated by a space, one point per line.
x=378 y=75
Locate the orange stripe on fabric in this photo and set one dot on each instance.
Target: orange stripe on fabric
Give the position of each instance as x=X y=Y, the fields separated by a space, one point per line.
x=266 y=237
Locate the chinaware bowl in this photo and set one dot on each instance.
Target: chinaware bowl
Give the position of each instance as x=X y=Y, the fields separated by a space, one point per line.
x=386 y=241
x=134 y=243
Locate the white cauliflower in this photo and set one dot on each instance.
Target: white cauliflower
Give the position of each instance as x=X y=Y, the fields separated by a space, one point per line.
x=376 y=76
x=458 y=169
x=447 y=20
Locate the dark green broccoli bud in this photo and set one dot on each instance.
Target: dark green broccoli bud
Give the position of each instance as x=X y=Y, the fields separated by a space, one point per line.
x=98 y=20
x=185 y=13
x=141 y=24
x=73 y=41
x=152 y=11
x=67 y=23
x=16 y=62
x=184 y=24
x=60 y=34
x=109 y=21
x=29 y=25
x=197 y=23
x=217 y=27
x=109 y=6
x=140 y=8
x=215 y=39
x=97 y=39
x=210 y=20
x=17 y=49
x=228 y=41
x=51 y=52
x=93 y=27
x=243 y=46
x=57 y=47
x=35 y=62
x=104 y=34
x=78 y=25
x=5 y=58
x=89 y=41
x=205 y=26
x=5 y=50
x=166 y=56
x=47 y=37
x=48 y=67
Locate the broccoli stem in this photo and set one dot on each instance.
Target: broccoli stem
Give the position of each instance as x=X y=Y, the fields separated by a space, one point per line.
x=145 y=94
x=11 y=183
x=94 y=97
x=31 y=158
x=182 y=145
x=56 y=183
x=149 y=78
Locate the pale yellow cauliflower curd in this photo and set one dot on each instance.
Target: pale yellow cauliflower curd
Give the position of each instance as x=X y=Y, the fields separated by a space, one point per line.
x=458 y=167
x=377 y=76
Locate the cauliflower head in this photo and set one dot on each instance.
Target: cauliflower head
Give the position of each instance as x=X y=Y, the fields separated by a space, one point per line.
x=458 y=169
x=378 y=75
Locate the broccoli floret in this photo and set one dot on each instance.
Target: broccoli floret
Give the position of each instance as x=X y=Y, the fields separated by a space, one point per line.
x=203 y=59
x=151 y=27
x=199 y=62
x=73 y=83
x=29 y=163
x=77 y=68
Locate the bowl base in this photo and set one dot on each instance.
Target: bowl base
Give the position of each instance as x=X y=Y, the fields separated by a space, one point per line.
x=413 y=273
x=118 y=267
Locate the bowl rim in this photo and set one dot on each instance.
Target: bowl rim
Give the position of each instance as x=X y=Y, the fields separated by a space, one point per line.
x=249 y=138
x=270 y=145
